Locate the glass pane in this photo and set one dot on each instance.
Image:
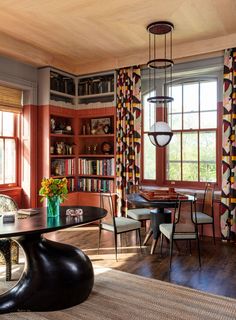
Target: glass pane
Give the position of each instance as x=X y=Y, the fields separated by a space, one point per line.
x=190 y=171
x=177 y=95
x=175 y=121
x=208 y=119
x=1 y=161
x=190 y=146
x=174 y=148
x=208 y=95
x=208 y=172
x=10 y=161
x=149 y=113
x=190 y=97
x=149 y=157
x=173 y=171
x=8 y=124
x=191 y=120
x=207 y=143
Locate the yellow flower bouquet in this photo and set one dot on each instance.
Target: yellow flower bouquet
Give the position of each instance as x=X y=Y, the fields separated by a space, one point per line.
x=55 y=191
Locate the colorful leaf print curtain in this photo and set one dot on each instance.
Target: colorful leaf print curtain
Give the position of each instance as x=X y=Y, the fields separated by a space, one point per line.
x=128 y=130
x=228 y=198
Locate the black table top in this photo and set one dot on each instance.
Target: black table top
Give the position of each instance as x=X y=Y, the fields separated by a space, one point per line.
x=139 y=201
x=39 y=223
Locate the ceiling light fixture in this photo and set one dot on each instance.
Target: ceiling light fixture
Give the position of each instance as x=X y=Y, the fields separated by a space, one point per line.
x=160 y=133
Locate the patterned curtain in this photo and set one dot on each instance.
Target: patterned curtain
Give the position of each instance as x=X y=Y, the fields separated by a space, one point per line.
x=228 y=198
x=128 y=130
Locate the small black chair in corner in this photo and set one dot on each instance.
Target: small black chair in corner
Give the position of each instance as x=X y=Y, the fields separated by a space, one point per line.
x=116 y=225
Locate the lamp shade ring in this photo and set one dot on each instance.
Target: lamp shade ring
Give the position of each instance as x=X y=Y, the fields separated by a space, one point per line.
x=160 y=63
x=160 y=99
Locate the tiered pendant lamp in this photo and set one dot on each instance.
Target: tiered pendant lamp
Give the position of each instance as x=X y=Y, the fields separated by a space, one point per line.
x=160 y=133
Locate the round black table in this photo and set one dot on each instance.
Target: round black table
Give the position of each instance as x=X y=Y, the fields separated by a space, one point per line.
x=159 y=214
x=56 y=275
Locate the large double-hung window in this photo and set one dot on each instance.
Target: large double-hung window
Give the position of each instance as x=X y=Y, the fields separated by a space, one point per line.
x=191 y=155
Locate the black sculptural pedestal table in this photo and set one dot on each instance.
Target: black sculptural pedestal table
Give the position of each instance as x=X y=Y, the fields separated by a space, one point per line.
x=56 y=275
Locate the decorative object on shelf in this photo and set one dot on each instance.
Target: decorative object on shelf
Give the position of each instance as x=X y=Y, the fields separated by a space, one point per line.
x=69 y=149
x=69 y=129
x=107 y=129
x=55 y=191
x=52 y=150
x=106 y=148
x=60 y=147
x=53 y=124
x=97 y=125
x=163 y=63
x=88 y=129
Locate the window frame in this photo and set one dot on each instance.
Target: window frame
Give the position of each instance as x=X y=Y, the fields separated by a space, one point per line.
x=15 y=137
x=204 y=70
x=198 y=130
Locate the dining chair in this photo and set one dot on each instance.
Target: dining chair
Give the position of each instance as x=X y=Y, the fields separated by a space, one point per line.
x=136 y=213
x=8 y=248
x=206 y=215
x=182 y=228
x=116 y=225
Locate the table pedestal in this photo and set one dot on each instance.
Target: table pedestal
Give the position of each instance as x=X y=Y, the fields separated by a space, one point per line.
x=158 y=216
x=56 y=276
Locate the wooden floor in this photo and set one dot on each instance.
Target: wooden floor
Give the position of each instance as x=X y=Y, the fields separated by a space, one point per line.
x=217 y=274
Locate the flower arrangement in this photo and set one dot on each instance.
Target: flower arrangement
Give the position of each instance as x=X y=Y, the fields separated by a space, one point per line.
x=53 y=188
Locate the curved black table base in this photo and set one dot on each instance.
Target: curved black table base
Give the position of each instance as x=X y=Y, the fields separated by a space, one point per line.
x=56 y=276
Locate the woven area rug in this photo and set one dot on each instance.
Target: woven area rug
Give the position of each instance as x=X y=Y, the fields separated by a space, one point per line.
x=120 y=295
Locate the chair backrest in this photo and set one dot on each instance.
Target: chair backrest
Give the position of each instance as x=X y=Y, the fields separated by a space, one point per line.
x=184 y=218
x=108 y=202
x=207 y=206
x=7 y=203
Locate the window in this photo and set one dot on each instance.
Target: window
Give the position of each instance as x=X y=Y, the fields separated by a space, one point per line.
x=191 y=155
x=10 y=109
x=8 y=148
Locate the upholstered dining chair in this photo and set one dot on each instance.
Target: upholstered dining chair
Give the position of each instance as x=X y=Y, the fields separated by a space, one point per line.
x=206 y=215
x=8 y=248
x=182 y=228
x=116 y=225
x=139 y=214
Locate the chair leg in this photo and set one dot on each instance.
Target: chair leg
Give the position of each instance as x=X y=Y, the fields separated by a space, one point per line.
x=171 y=252
x=115 y=238
x=99 y=238
x=139 y=236
x=213 y=232
x=199 y=254
x=202 y=231
x=161 y=243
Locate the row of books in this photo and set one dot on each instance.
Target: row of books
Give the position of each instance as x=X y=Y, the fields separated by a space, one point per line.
x=104 y=167
x=71 y=184
x=95 y=185
x=96 y=85
x=62 y=167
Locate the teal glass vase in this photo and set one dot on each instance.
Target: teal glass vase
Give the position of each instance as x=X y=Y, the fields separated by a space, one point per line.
x=53 y=207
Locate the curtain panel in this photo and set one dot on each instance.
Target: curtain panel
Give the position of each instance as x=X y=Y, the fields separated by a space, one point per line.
x=128 y=131
x=228 y=197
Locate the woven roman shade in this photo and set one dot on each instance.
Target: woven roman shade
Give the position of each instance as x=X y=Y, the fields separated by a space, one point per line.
x=10 y=99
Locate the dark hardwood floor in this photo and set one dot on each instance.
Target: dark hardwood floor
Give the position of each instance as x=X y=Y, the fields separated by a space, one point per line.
x=217 y=274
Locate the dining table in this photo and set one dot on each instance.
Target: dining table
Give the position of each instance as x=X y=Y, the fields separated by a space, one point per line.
x=159 y=211
x=56 y=275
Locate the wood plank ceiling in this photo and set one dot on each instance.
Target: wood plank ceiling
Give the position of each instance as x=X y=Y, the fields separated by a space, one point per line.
x=83 y=36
